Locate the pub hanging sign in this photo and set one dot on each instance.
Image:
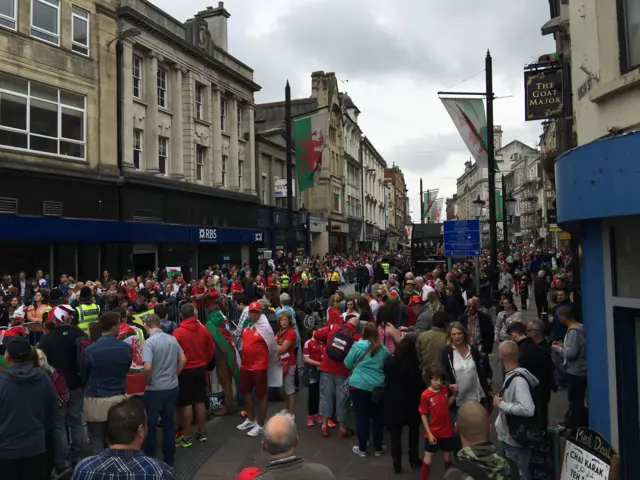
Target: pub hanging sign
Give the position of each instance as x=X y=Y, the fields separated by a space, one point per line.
x=543 y=94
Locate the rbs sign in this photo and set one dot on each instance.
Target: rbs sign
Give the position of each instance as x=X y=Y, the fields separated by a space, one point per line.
x=208 y=235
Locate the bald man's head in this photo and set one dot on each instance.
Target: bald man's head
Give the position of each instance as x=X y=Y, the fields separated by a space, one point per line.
x=280 y=436
x=473 y=424
x=509 y=353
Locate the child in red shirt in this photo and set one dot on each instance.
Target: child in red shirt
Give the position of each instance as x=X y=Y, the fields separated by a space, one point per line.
x=313 y=351
x=434 y=411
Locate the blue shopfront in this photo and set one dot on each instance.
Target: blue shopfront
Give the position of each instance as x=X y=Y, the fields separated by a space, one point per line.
x=598 y=202
x=84 y=248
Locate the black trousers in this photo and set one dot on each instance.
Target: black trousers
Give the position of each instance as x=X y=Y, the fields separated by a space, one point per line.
x=28 y=468
x=542 y=306
x=313 y=401
x=395 y=433
x=577 y=415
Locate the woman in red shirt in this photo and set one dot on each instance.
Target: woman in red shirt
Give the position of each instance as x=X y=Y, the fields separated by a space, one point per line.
x=286 y=341
x=236 y=285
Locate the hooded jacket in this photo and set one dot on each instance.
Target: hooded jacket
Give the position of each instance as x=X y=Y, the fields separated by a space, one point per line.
x=487 y=458
x=573 y=352
x=23 y=435
x=369 y=371
x=196 y=342
x=517 y=400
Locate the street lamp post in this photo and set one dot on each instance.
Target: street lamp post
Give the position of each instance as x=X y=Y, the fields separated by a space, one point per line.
x=510 y=202
x=478 y=205
x=304 y=218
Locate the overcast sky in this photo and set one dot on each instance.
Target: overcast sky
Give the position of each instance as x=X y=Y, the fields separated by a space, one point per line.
x=392 y=57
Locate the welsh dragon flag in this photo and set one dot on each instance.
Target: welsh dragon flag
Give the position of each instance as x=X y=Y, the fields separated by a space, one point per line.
x=438 y=210
x=308 y=141
x=469 y=118
x=429 y=200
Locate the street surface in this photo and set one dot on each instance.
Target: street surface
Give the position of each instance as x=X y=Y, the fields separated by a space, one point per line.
x=228 y=450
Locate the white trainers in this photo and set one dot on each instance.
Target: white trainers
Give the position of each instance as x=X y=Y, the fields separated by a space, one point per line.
x=357 y=451
x=379 y=453
x=256 y=431
x=246 y=425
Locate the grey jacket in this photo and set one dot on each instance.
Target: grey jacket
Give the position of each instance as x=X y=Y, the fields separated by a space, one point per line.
x=424 y=321
x=516 y=401
x=295 y=468
x=574 y=351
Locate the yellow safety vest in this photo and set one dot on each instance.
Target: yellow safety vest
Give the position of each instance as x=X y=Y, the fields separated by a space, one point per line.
x=284 y=281
x=87 y=314
x=385 y=267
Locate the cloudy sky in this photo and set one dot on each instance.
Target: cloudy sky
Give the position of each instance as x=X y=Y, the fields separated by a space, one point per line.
x=392 y=57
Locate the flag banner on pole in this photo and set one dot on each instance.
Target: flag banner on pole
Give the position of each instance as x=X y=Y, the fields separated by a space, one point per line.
x=309 y=135
x=439 y=203
x=429 y=199
x=469 y=118
x=485 y=210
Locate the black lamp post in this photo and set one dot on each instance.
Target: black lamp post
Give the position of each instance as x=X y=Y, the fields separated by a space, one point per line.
x=510 y=203
x=304 y=218
x=478 y=205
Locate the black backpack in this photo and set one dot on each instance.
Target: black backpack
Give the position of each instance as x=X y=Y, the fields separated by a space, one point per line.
x=527 y=431
x=477 y=473
x=340 y=344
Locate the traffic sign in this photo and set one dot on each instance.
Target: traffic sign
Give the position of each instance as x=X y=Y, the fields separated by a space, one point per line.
x=462 y=238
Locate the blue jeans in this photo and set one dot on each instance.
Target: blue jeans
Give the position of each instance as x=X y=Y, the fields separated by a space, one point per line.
x=521 y=456
x=68 y=433
x=161 y=403
x=332 y=392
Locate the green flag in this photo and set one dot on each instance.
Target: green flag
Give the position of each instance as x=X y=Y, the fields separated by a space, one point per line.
x=308 y=141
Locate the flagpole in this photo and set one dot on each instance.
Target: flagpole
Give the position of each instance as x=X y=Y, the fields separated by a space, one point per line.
x=493 y=227
x=288 y=141
x=421 y=203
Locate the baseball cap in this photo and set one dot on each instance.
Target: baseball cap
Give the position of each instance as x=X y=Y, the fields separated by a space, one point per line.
x=8 y=334
x=255 y=307
x=18 y=348
x=62 y=314
x=249 y=473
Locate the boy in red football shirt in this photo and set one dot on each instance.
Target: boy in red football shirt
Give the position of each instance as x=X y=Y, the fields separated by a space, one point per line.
x=313 y=352
x=438 y=428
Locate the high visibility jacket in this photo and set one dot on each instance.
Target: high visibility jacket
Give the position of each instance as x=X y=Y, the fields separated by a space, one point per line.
x=87 y=314
x=284 y=281
x=385 y=267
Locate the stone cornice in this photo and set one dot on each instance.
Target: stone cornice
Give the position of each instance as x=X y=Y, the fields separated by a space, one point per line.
x=146 y=24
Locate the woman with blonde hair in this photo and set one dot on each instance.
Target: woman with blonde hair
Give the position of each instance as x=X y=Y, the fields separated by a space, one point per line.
x=286 y=341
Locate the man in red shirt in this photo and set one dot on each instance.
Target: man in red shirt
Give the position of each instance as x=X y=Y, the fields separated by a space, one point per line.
x=259 y=348
x=333 y=373
x=198 y=347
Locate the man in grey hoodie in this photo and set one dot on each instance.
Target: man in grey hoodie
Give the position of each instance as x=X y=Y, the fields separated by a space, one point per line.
x=517 y=401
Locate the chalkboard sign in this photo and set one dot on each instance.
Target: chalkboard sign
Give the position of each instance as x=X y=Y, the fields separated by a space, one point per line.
x=588 y=456
x=543 y=463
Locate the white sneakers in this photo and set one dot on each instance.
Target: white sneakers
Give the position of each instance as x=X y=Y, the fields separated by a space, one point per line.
x=254 y=429
x=246 y=425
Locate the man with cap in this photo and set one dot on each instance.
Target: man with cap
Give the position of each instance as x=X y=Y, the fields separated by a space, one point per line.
x=88 y=311
x=259 y=349
x=61 y=346
x=23 y=431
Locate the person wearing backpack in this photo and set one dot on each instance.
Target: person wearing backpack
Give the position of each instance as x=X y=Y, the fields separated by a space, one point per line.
x=338 y=340
x=518 y=425
x=478 y=459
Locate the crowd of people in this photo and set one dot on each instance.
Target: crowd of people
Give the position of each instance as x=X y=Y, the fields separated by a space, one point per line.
x=404 y=351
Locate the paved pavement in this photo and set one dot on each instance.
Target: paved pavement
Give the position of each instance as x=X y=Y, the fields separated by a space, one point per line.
x=229 y=450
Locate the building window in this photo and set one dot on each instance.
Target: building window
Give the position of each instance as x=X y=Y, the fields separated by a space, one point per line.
x=200 y=156
x=240 y=173
x=137 y=149
x=45 y=20
x=136 y=67
x=223 y=114
x=163 y=144
x=9 y=13
x=80 y=31
x=40 y=118
x=239 y=116
x=630 y=33
x=162 y=87
x=336 y=199
x=225 y=165
x=263 y=189
x=199 y=97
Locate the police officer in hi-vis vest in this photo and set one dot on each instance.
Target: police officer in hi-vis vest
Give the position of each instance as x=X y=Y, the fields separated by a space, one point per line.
x=88 y=311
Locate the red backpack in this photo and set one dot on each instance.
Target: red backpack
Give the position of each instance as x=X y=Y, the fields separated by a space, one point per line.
x=340 y=343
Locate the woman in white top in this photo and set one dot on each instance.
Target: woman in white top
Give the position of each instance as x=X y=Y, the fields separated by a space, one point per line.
x=467 y=371
x=350 y=309
x=505 y=318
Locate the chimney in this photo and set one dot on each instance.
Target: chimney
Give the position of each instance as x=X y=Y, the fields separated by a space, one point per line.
x=316 y=82
x=216 y=19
